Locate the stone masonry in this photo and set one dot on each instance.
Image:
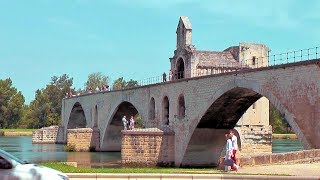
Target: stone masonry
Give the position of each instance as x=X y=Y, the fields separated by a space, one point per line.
x=256 y=139
x=83 y=139
x=47 y=135
x=147 y=147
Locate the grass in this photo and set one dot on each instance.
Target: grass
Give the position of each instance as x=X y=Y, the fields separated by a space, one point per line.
x=17 y=130
x=70 y=169
x=284 y=136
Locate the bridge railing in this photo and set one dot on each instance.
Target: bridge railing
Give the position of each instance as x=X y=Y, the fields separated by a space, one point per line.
x=255 y=62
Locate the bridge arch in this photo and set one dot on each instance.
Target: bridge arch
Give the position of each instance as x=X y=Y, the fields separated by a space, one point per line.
x=77 y=117
x=111 y=139
x=235 y=97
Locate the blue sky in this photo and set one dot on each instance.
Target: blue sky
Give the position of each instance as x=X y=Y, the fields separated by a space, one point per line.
x=135 y=38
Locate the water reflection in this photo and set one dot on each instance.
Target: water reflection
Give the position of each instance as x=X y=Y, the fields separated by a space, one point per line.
x=22 y=147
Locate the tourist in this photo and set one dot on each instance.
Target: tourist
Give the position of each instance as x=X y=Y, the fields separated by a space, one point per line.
x=227 y=160
x=234 y=146
x=70 y=94
x=131 y=125
x=125 y=122
x=164 y=77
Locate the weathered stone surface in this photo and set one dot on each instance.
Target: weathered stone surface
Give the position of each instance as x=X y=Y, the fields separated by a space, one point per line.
x=278 y=158
x=246 y=161
x=46 y=135
x=262 y=159
x=147 y=147
x=83 y=139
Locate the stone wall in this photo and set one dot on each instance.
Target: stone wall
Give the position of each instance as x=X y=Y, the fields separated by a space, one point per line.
x=304 y=156
x=147 y=147
x=83 y=139
x=45 y=135
x=255 y=139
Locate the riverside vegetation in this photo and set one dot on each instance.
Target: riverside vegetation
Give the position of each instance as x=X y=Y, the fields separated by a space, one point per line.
x=45 y=109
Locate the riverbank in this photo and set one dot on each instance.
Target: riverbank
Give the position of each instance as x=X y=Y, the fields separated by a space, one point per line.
x=284 y=136
x=16 y=132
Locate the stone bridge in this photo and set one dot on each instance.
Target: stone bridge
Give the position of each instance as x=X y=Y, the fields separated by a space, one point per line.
x=200 y=109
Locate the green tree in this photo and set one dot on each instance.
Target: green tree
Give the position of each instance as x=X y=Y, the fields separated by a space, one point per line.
x=132 y=83
x=11 y=103
x=119 y=83
x=277 y=120
x=45 y=109
x=96 y=80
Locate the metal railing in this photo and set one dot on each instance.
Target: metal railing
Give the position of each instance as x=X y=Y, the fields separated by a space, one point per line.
x=256 y=62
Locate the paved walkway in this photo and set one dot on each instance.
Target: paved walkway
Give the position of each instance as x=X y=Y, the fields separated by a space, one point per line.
x=283 y=171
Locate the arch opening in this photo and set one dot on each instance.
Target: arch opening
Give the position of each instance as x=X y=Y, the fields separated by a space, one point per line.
x=77 y=117
x=95 y=119
x=112 y=136
x=180 y=69
x=181 y=107
x=207 y=142
x=152 y=108
x=165 y=111
x=225 y=112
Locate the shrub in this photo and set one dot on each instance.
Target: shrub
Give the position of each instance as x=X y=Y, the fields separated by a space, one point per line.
x=92 y=149
x=70 y=148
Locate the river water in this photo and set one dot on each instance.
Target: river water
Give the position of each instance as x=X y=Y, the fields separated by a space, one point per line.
x=22 y=147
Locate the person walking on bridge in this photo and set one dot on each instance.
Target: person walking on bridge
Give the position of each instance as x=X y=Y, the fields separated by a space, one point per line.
x=125 y=122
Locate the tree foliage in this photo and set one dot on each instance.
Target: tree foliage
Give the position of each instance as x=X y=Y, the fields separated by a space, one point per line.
x=277 y=120
x=96 y=80
x=11 y=103
x=120 y=83
x=45 y=109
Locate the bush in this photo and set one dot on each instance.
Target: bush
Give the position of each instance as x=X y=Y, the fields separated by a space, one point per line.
x=92 y=149
x=1 y=133
x=70 y=148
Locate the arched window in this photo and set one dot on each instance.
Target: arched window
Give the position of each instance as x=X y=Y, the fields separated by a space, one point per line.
x=95 y=117
x=181 y=107
x=180 y=69
x=165 y=110
x=152 y=107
